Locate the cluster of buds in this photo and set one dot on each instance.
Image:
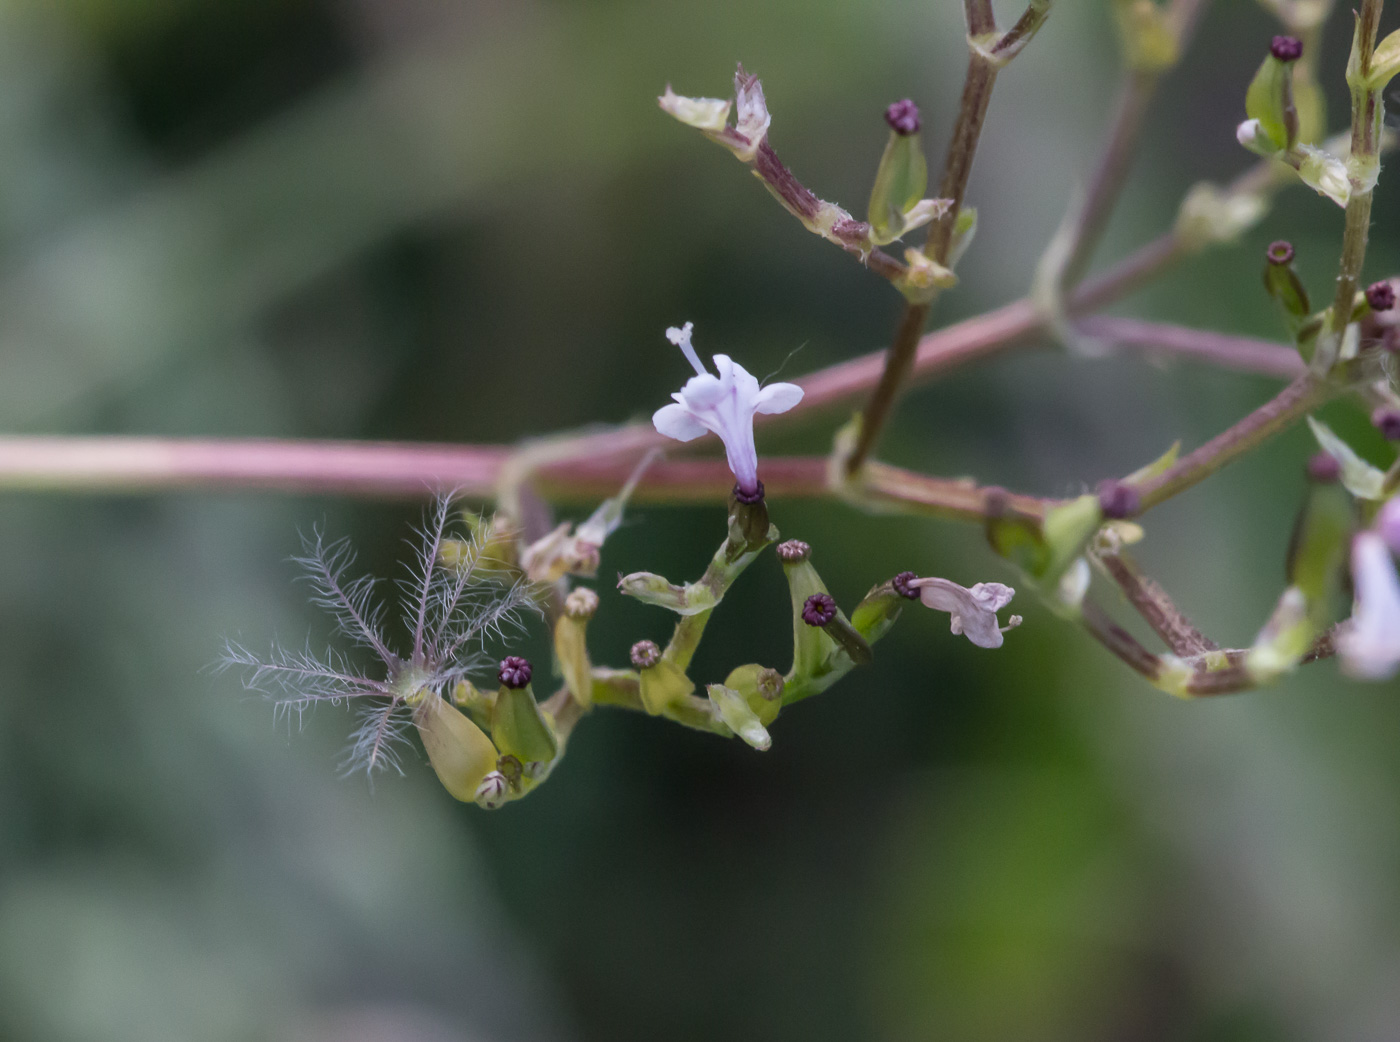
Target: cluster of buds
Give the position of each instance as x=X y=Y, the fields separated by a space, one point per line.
x=897 y=203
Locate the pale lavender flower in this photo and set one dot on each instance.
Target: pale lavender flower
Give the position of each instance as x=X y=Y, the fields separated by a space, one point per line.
x=723 y=404
x=973 y=612
x=1369 y=642
x=448 y=611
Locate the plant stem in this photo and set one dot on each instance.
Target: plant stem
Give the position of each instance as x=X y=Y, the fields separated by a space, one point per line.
x=1116 y=160
x=1366 y=110
x=1156 y=607
x=957 y=169
x=1297 y=399
x=1244 y=354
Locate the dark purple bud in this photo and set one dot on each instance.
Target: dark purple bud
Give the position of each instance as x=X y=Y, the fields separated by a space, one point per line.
x=1387 y=421
x=1118 y=499
x=819 y=609
x=1280 y=252
x=1323 y=468
x=1381 y=295
x=903 y=117
x=794 y=550
x=749 y=498
x=645 y=654
x=1286 y=48
x=514 y=672
x=901 y=585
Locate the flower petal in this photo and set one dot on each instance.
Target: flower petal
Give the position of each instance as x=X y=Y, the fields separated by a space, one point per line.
x=973 y=612
x=703 y=392
x=776 y=398
x=676 y=421
x=1369 y=642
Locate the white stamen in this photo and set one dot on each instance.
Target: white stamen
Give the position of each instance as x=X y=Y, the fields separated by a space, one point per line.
x=681 y=338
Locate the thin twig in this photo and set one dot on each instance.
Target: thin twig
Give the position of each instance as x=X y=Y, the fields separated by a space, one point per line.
x=1290 y=405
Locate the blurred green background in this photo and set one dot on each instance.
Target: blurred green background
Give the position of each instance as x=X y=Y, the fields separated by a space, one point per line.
x=464 y=220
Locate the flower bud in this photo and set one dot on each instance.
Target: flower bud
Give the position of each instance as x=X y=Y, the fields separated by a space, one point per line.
x=518 y=726
x=734 y=710
x=1117 y=499
x=901 y=177
x=819 y=609
x=475 y=703
x=1286 y=48
x=1323 y=468
x=460 y=753
x=1381 y=295
x=645 y=654
x=1387 y=420
x=1283 y=284
x=794 y=550
x=1149 y=40
x=493 y=791
x=656 y=590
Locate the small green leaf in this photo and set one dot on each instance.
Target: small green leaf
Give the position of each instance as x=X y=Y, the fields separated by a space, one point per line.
x=1160 y=465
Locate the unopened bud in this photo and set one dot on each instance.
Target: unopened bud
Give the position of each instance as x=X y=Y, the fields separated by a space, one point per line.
x=493 y=791
x=1387 y=420
x=645 y=654
x=515 y=671
x=1381 y=295
x=1118 y=499
x=1323 y=468
x=581 y=603
x=819 y=609
x=517 y=725
x=794 y=550
x=903 y=117
x=1286 y=48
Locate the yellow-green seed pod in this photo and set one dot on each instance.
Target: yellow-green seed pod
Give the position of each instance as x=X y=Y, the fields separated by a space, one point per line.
x=812 y=646
x=663 y=684
x=459 y=751
x=520 y=729
x=1269 y=99
x=571 y=644
x=761 y=687
x=902 y=175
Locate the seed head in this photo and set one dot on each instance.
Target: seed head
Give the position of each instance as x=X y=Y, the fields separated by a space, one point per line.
x=901 y=585
x=1118 y=499
x=1286 y=48
x=515 y=671
x=645 y=654
x=903 y=117
x=794 y=550
x=819 y=609
x=1381 y=295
